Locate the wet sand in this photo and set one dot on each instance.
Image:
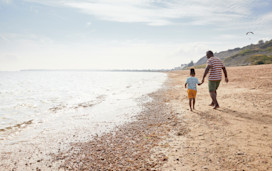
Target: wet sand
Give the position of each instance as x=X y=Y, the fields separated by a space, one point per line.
x=129 y=146
x=167 y=136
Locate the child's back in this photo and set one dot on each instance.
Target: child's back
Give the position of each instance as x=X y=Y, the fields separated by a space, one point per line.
x=192 y=82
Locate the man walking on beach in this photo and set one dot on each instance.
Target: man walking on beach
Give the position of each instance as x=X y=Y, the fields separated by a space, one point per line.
x=214 y=65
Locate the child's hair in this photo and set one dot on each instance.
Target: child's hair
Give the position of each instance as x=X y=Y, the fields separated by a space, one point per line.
x=192 y=71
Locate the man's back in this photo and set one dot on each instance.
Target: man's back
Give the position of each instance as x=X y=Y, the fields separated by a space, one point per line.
x=216 y=68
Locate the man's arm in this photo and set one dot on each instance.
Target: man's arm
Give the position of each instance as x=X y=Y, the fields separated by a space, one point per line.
x=226 y=74
x=206 y=72
x=198 y=83
x=185 y=85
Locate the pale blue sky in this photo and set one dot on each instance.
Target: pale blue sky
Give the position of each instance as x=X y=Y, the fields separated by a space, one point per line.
x=125 y=34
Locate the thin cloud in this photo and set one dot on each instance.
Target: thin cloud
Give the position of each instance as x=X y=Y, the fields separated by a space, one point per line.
x=8 y=57
x=266 y=19
x=158 y=13
x=6 y=1
x=4 y=38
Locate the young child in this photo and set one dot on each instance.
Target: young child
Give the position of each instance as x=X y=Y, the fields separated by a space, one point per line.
x=192 y=81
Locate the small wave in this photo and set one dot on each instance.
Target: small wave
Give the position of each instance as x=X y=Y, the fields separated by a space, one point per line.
x=20 y=105
x=98 y=100
x=57 y=108
x=17 y=126
x=84 y=105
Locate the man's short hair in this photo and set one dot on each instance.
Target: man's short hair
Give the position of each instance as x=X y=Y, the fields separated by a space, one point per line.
x=210 y=52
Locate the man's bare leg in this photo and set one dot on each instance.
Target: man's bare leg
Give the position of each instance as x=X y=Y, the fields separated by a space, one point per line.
x=213 y=96
x=216 y=106
x=212 y=103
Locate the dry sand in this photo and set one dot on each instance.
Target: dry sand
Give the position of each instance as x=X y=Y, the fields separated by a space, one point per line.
x=167 y=136
x=237 y=136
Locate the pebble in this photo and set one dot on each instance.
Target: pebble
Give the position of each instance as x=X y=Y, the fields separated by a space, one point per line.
x=205 y=167
x=240 y=153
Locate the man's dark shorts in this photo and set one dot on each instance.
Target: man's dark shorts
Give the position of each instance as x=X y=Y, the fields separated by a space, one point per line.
x=213 y=85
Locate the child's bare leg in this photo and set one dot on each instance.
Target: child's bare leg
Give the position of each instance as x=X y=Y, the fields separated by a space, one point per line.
x=193 y=103
x=190 y=104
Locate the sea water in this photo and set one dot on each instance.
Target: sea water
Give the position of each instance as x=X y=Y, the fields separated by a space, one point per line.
x=56 y=106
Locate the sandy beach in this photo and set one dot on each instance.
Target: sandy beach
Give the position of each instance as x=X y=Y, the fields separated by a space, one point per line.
x=237 y=136
x=99 y=85
x=167 y=136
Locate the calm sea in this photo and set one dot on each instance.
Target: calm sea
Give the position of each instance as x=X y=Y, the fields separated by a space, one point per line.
x=35 y=104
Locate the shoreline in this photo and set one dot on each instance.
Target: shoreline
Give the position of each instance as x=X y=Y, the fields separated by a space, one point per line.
x=35 y=151
x=167 y=136
x=129 y=146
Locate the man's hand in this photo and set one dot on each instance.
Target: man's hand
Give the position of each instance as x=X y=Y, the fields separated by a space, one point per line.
x=202 y=81
x=226 y=79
